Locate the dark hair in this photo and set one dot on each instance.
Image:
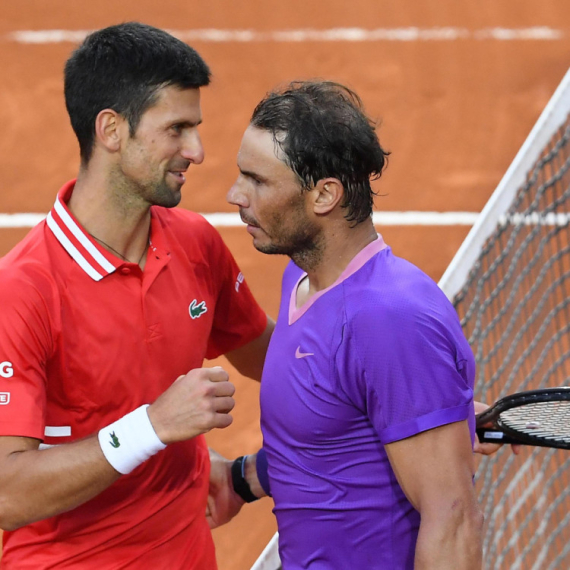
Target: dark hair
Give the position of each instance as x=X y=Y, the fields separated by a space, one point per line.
x=323 y=131
x=122 y=68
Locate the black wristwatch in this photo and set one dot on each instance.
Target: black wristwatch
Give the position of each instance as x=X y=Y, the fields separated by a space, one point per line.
x=241 y=486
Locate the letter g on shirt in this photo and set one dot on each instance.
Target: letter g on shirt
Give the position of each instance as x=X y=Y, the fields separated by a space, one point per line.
x=6 y=369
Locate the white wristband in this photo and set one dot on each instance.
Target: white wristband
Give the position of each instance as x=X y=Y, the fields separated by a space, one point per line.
x=130 y=441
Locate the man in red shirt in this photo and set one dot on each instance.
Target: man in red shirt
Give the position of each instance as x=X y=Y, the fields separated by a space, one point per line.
x=108 y=309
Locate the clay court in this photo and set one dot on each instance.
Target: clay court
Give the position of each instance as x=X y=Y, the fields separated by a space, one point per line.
x=456 y=88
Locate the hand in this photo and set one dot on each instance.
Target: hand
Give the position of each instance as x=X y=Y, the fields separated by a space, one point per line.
x=194 y=404
x=223 y=502
x=489 y=448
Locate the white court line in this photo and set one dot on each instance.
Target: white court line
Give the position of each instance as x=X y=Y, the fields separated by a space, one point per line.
x=20 y=220
x=232 y=219
x=408 y=34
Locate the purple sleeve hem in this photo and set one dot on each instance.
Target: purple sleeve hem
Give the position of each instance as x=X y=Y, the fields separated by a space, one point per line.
x=261 y=468
x=424 y=423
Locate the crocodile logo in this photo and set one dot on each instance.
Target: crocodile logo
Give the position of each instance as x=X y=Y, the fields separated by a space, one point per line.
x=197 y=309
x=114 y=440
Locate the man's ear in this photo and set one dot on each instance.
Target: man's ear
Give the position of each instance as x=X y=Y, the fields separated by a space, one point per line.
x=328 y=194
x=109 y=129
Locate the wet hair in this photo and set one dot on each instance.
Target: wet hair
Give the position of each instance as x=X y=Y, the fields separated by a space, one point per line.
x=123 y=68
x=323 y=131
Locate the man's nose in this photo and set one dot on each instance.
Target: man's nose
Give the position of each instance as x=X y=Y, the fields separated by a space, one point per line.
x=192 y=148
x=236 y=195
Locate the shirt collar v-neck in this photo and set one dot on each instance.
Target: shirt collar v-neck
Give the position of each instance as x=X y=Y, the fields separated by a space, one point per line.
x=355 y=264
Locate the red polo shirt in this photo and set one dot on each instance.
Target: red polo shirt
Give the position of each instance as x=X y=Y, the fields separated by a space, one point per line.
x=86 y=338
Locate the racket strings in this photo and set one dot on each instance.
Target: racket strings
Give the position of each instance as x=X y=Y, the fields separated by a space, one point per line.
x=542 y=420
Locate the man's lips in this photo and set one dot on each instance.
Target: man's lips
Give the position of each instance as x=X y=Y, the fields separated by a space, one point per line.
x=179 y=174
x=179 y=171
x=250 y=224
x=247 y=221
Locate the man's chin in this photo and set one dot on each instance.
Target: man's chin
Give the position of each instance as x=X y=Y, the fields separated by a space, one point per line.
x=269 y=248
x=169 y=199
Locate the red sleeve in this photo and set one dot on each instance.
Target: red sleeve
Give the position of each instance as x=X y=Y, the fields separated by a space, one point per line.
x=25 y=346
x=238 y=319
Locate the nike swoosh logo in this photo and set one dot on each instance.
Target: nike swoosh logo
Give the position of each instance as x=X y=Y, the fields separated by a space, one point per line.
x=299 y=354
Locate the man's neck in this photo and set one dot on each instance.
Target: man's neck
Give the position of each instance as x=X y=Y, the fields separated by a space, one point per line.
x=119 y=225
x=341 y=245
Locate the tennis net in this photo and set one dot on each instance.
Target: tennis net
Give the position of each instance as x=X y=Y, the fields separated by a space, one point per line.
x=510 y=284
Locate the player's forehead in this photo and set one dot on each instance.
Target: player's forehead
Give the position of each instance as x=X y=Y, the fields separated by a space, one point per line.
x=259 y=150
x=173 y=103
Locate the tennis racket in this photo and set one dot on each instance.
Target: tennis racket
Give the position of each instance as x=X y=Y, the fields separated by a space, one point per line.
x=537 y=417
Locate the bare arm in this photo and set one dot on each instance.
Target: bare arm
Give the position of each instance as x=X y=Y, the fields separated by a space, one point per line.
x=249 y=359
x=37 y=484
x=435 y=470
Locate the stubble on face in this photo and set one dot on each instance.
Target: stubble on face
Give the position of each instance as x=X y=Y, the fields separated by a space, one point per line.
x=152 y=164
x=150 y=187
x=160 y=193
x=272 y=198
x=135 y=194
x=293 y=234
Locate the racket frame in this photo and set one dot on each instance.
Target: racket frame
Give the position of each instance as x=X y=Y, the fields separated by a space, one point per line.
x=509 y=435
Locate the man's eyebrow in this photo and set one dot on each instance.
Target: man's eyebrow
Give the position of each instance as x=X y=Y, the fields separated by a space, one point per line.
x=186 y=123
x=251 y=174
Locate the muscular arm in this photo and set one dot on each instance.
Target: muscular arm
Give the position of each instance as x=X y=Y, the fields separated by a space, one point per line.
x=37 y=484
x=435 y=470
x=249 y=359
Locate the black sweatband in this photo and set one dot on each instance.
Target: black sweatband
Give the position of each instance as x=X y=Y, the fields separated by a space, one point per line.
x=241 y=486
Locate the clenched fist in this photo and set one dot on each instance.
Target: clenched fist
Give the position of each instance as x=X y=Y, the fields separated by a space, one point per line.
x=195 y=403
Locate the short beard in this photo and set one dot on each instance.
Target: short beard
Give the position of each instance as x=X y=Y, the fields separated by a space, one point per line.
x=305 y=249
x=149 y=192
x=162 y=195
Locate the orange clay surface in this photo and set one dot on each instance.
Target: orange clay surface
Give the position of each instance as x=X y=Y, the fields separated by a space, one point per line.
x=453 y=113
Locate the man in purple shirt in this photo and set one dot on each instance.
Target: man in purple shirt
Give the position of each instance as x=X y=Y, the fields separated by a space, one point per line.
x=366 y=395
